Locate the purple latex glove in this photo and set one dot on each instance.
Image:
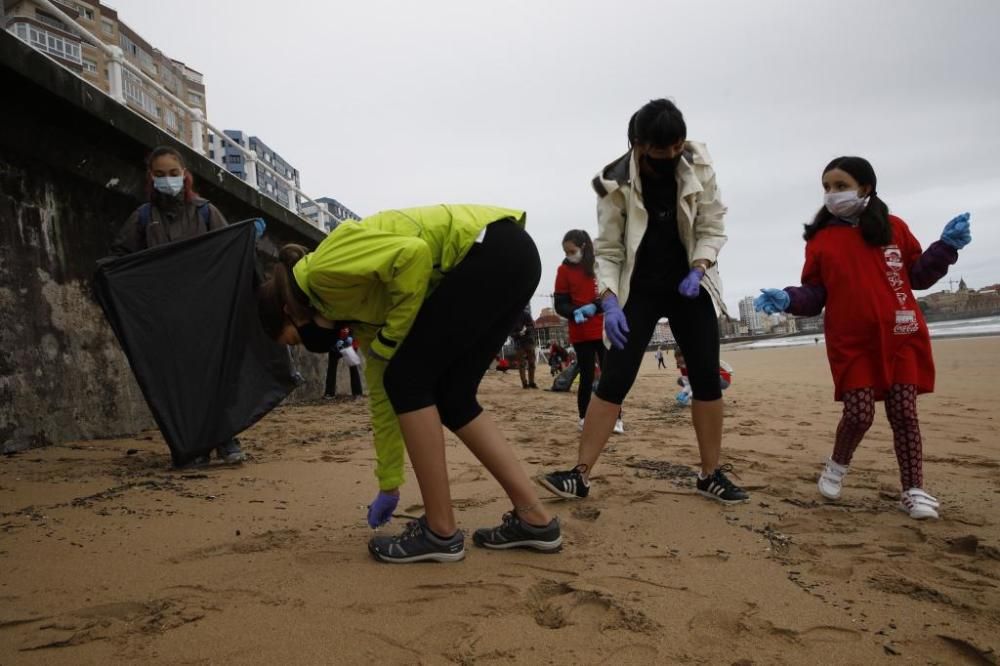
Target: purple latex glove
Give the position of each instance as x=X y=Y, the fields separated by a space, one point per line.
x=380 y=510
x=615 y=325
x=690 y=286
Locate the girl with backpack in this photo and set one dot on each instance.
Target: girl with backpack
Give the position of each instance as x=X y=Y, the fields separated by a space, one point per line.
x=862 y=265
x=431 y=293
x=576 y=300
x=173 y=211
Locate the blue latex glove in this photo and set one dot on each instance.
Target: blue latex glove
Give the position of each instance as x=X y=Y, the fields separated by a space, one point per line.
x=956 y=233
x=615 y=325
x=380 y=510
x=339 y=344
x=259 y=226
x=583 y=313
x=690 y=286
x=348 y=340
x=772 y=301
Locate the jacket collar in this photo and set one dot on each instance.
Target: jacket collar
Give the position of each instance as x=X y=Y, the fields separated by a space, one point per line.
x=687 y=182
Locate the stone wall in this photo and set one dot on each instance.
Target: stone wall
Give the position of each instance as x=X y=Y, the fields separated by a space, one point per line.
x=71 y=171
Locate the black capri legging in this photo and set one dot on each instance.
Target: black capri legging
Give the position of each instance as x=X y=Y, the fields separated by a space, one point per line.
x=588 y=354
x=461 y=326
x=695 y=328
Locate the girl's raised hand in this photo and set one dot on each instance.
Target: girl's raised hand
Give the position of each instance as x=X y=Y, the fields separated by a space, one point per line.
x=957 y=232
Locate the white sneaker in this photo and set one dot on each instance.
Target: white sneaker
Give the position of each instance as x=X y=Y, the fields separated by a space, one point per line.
x=919 y=504
x=581 y=425
x=831 y=480
x=619 y=427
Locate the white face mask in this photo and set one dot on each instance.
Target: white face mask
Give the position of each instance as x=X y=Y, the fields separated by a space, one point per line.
x=846 y=204
x=575 y=257
x=169 y=185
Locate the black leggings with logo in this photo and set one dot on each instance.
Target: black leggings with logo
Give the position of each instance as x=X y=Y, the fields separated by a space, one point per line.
x=461 y=326
x=694 y=326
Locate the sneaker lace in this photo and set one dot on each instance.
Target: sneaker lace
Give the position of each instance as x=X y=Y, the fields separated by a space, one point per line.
x=412 y=530
x=722 y=479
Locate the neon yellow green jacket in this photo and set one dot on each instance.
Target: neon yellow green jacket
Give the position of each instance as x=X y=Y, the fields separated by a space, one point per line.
x=376 y=274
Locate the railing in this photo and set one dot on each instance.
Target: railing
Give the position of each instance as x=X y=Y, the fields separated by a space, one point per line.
x=118 y=65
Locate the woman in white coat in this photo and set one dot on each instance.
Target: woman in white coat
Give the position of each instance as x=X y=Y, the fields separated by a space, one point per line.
x=660 y=230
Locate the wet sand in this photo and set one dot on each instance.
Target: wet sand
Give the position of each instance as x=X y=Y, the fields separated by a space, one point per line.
x=108 y=556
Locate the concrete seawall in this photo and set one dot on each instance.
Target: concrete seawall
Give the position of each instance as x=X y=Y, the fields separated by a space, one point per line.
x=71 y=171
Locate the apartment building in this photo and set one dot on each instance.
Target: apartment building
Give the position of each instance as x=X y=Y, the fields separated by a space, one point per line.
x=51 y=33
x=336 y=210
x=231 y=158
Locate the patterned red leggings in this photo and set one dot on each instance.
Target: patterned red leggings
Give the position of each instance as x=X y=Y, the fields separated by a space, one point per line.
x=901 y=409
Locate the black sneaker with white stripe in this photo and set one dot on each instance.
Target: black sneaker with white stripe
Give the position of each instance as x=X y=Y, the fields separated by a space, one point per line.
x=568 y=485
x=515 y=533
x=417 y=544
x=718 y=487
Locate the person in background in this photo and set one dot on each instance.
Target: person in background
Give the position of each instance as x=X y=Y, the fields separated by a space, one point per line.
x=173 y=211
x=523 y=335
x=660 y=231
x=445 y=283
x=658 y=355
x=344 y=339
x=576 y=300
x=557 y=358
x=861 y=265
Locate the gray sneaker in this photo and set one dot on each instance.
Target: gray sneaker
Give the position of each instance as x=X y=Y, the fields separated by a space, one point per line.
x=230 y=452
x=515 y=533
x=417 y=544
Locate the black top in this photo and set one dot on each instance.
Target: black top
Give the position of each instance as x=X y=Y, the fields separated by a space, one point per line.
x=662 y=258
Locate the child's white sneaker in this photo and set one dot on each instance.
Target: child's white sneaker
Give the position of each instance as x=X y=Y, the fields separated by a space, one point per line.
x=581 y=425
x=919 y=504
x=619 y=427
x=831 y=480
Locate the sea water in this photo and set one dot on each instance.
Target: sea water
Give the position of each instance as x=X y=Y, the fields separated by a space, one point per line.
x=939 y=329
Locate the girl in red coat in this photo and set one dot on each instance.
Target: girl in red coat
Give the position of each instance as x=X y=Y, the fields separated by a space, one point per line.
x=576 y=299
x=862 y=264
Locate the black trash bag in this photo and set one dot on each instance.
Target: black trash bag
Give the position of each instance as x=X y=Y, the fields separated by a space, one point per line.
x=564 y=380
x=185 y=315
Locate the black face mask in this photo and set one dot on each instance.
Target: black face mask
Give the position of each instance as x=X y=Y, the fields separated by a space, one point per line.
x=662 y=166
x=317 y=339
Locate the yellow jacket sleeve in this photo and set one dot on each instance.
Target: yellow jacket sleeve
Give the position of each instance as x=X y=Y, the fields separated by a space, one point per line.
x=389 y=446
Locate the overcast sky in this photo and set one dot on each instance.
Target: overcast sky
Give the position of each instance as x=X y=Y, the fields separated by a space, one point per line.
x=395 y=104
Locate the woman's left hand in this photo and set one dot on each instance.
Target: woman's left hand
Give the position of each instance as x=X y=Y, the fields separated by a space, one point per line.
x=690 y=286
x=381 y=509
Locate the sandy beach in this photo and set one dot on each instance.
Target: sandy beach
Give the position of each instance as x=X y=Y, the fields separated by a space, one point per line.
x=108 y=556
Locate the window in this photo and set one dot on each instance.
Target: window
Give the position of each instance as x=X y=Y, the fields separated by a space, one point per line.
x=136 y=93
x=211 y=154
x=89 y=66
x=108 y=27
x=195 y=99
x=85 y=11
x=170 y=119
x=45 y=41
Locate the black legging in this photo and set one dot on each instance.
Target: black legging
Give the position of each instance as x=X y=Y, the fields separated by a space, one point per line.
x=331 y=375
x=695 y=328
x=587 y=353
x=462 y=324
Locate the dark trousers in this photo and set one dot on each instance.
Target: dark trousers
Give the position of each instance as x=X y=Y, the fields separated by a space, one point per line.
x=331 y=375
x=694 y=326
x=462 y=324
